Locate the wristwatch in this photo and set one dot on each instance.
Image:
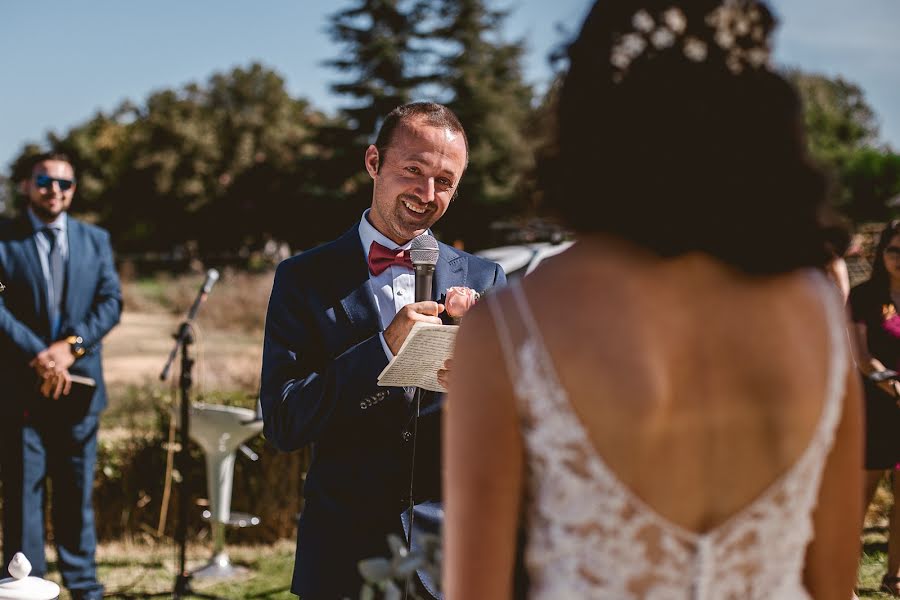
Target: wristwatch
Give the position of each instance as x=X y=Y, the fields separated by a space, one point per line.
x=76 y=345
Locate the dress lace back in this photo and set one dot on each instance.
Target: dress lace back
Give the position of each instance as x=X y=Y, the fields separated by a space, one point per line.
x=590 y=536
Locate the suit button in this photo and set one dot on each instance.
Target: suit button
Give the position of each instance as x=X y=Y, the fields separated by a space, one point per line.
x=363 y=405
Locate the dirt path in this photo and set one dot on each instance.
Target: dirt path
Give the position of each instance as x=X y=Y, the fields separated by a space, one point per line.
x=135 y=352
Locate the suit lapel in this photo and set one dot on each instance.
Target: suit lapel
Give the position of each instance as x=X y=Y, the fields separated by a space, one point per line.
x=358 y=301
x=450 y=270
x=30 y=252
x=77 y=254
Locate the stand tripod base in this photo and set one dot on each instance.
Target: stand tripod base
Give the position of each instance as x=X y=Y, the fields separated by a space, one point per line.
x=219 y=567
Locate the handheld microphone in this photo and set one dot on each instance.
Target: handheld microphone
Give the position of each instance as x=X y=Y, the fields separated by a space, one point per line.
x=424 y=255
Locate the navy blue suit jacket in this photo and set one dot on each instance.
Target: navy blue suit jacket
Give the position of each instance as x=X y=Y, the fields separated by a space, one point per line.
x=91 y=307
x=321 y=358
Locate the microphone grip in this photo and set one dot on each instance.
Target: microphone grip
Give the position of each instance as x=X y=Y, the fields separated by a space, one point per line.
x=424 y=275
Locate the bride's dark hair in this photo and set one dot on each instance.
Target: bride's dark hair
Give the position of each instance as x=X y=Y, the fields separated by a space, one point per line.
x=683 y=151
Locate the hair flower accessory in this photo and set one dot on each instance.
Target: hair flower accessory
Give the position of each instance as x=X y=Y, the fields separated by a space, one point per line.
x=737 y=27
x=675 y=20
x=642 y=21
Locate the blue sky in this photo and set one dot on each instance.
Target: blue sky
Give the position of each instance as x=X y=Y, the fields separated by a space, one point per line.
x=61 y=61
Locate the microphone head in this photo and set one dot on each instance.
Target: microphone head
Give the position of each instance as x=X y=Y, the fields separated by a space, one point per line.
x=212 y=276
x=424 y=250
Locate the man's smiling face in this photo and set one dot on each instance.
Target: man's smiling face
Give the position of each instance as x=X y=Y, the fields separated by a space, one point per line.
x=415 y=179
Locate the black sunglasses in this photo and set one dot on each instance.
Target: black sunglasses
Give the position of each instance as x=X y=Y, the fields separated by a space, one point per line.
x=45 y=181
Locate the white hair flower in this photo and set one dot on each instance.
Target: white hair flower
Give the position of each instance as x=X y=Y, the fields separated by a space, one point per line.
x=662 y=38
x=675 y=19
x=725 y=39
x=695 y=49
x=642 y=21
x=736 y=26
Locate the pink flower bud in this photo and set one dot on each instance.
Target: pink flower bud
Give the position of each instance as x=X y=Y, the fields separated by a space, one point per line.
x=459 y=300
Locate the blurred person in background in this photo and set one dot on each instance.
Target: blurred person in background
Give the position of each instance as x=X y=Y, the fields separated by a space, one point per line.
x=62 y=298
x=838 y=244
x=876 y=327
x=672 y=405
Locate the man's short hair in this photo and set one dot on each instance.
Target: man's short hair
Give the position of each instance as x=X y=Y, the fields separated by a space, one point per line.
x=28 y=164
x=434 y=115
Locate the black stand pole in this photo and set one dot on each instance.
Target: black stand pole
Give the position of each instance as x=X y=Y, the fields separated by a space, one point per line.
x=183 y=340
x=412 y=473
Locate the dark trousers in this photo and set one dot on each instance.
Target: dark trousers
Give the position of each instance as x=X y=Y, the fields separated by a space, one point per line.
x=31 y=450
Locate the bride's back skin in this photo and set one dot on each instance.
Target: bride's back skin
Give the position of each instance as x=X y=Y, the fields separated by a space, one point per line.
x=697 y=385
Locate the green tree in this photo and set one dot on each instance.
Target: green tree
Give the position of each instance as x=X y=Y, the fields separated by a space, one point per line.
x=379 y=56
x=838 y=118
x=842 y=132
x=482 y=76
x=872 y=180
x=217 y=163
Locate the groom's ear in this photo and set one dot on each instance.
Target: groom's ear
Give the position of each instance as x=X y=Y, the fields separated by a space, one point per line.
x=372 y=160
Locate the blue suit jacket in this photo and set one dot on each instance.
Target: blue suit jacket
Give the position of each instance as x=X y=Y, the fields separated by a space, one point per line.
x=91 y=307
x=321 y=358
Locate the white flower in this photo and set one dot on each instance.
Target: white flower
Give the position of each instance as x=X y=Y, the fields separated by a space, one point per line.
x=662 y=38
x=757 y=57
x=675 y=19
x=695 y=49
x=642 y=21
x=632 y=44
x=724 y=39
x=620 y=60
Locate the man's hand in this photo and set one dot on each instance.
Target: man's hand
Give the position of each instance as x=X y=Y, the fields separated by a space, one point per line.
x=396 y=332
x=56 y=357
x=56 y=383
x=443 y=375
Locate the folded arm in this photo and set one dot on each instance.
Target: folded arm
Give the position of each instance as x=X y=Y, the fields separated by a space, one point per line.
x=303 y=393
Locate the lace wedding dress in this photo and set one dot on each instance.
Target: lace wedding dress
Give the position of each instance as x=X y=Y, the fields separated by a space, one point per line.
x=589 y=536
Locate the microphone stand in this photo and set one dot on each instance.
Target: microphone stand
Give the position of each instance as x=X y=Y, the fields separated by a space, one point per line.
x=412 y=473
x=183 y=340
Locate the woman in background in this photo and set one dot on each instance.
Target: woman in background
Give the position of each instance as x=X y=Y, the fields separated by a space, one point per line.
x=670 y=404
x=874 y=307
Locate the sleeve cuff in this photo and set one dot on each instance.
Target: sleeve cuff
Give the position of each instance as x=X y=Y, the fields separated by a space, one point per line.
x=384 y=344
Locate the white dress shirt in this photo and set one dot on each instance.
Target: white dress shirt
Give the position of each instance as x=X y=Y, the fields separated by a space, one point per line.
x=395 y=287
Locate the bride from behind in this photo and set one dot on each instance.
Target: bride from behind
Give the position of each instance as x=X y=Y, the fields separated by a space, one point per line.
x=667 y=410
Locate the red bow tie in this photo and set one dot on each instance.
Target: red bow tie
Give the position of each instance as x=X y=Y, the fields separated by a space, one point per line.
x=380 y=258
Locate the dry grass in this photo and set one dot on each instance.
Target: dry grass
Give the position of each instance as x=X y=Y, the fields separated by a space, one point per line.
x=141 y=567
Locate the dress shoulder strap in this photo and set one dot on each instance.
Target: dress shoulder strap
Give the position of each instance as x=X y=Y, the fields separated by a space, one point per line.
x=505 y=334
x=838 y=352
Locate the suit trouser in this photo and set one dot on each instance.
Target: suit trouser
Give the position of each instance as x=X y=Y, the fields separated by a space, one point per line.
x=31 y=450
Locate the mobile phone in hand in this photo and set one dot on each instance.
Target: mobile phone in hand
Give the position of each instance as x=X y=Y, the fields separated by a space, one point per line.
x=880 y=376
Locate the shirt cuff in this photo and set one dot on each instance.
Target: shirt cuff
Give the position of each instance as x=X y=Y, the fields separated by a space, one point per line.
x=384 y=344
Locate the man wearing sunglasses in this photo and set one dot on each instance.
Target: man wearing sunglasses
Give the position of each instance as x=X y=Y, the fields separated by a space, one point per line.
x=62 y=297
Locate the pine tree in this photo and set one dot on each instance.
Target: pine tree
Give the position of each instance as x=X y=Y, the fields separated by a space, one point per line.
x=378 y=38
x=483 y=76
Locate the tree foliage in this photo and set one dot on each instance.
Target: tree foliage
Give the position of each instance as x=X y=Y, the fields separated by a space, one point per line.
x=220 y=163
x=842 y=132
x=482 y=74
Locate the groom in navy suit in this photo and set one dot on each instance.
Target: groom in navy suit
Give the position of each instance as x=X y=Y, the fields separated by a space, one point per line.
x=62 y=297
x=336 y=316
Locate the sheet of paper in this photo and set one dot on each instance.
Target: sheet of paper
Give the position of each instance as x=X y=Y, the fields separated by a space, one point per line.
x=88 y=381
x=416 y=364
